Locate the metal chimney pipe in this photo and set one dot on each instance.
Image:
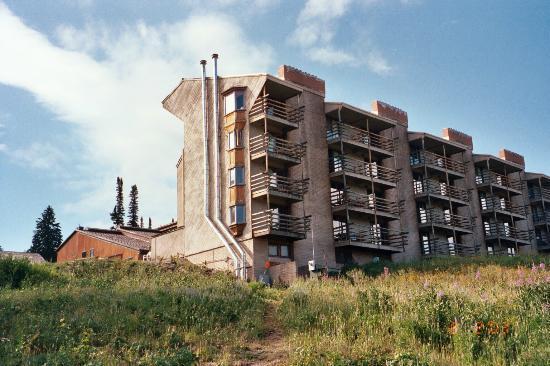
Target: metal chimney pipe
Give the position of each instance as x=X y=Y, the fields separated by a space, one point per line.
x=206 y=168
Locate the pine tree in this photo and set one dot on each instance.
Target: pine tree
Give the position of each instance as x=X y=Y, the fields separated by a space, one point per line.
x=141 y=222
x=150 y=224
x=1 y=249
x=117 y=216
x=133 y=209
x=47 y=236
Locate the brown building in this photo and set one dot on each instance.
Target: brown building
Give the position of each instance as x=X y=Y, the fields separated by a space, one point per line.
x=120 y=243
x=303 y=182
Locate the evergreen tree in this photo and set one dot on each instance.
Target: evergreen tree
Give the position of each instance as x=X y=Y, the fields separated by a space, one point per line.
x=47 y=235
x=141 y=222
x=150 y=224
x=117 y=216
x=1 y=249
x=133 y=209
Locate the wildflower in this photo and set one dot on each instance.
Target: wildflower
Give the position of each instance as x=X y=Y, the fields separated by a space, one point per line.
x=506 y=328
x=484 y=296
x=529 y=281
x=426 y=284
x=519 y=282
x=478 y=275
x=386 y=271
x=440 y=294
x=542 y=266
x=533 y=268
x=492 y=327
x=479 y=327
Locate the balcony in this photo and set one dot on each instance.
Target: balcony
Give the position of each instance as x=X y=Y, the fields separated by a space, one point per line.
x=496 y=231
x=362 y=171
x=541 y=218
x=424 y=158
x=444 y=220
x=369 y=237
x=500 y=206
x=272 y=223
x=439 y=190
x=502 y=182
x=363 y=203
x=279 y=150
x=441 y=248
x=277 y=113
x=359 y=138
x=278 y=187
x=538 y=194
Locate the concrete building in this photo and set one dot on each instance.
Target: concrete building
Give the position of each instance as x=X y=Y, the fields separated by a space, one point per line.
x=271 y=171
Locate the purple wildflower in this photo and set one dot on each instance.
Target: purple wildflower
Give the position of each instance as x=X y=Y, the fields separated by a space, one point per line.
x=534 y=268
x=542 y=266
x=478 y=275
x=440 y=294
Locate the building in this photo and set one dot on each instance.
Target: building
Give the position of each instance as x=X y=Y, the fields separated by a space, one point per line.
x=31 y=257
x=121 y=243
x=538 y=186
x=307 y=183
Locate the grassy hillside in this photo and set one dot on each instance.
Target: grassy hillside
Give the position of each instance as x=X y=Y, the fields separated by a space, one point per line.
x=483 y=311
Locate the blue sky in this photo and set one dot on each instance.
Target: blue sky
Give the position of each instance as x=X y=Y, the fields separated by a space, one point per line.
x=81 y=84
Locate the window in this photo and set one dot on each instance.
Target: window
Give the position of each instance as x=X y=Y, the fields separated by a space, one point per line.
x=490 y=250
x=234 y=101
x=278 y=250
x=92 y=252
x=235 y=139
x=236 y=176
x=511 y=252
x=237 y=215
x=83 y=254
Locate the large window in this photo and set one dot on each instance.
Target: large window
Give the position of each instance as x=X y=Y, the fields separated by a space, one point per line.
x=234 y=101
x=236 y=176
x=279 y=250
x=235 y=139
x=237 y=215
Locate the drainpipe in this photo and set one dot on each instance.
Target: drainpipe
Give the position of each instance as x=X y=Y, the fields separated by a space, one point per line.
x=206 y=169
x=241 y=267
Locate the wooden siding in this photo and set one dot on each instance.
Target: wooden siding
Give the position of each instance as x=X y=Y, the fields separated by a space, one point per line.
x=79 y=242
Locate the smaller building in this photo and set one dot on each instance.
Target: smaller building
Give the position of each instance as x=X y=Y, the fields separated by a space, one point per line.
x=120 y=243
x=31 y=257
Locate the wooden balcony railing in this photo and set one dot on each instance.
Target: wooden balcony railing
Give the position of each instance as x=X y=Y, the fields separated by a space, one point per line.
x=493 y=203
x=264 y=183
x=271 y=222
x=498 y=179
x=438 y=217
x=424 y=157
x=364 y=201
x=541 y=218
x=499 y=230
x=537 y=193
x=266 y=143
x=442 y=248
x=341 y=131
x=371 y=235
x=275 y=108
x=443 y=189
x=370 y=170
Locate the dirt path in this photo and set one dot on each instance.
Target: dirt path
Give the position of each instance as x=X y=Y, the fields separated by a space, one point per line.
x=272 y=349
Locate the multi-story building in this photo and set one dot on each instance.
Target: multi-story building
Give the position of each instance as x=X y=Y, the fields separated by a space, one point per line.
x=271 y=172
x=538 y=186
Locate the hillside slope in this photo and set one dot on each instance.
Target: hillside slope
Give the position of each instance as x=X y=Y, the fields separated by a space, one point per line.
x=484 y=311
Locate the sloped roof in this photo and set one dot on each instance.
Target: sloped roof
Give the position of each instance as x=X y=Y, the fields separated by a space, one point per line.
x=128 y=237
x=32 y=257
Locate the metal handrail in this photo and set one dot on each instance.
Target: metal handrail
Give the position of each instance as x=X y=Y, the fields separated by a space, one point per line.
x=365 y=201
x=494 y=203
x=499 y=230
x=433 y=216
x=440 y=188
x=498 y=179
x=437 y=248
x=265 y=182
x=371 y=170
x=370 y=235
x=338 y=130
x=275 y=108
x=271 y=144
x=424 y=157
x=270 y=220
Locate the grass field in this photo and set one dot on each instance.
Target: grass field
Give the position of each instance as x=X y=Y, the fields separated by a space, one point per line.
x=480 y=311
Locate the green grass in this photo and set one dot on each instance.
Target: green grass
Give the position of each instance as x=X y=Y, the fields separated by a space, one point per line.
x=477 y=311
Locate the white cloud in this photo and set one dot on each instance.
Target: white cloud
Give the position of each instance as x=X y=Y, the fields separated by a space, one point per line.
x=317 y=25
x=37 y=155
x=109 y=84
x=3 y=147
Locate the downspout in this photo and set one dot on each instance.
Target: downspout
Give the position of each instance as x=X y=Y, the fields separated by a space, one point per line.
x=241 y=267
x=206 y=168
